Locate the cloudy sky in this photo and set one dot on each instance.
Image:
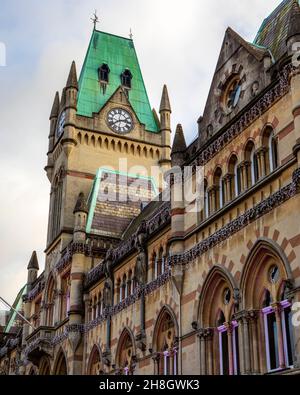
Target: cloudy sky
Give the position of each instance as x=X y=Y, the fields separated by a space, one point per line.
x=177 y=44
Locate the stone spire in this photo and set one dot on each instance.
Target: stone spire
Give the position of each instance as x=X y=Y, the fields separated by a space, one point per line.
x=55 y=107
x=165 y=102
x=33 y=263
x=179 y=144
x=294 y=23
x=63 y=99
x=72 y=79
x=81 y=205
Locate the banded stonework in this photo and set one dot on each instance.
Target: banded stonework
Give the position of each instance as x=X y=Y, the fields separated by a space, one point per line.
x=170 y=287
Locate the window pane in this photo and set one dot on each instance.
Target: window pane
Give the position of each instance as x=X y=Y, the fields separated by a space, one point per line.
x=273 y=341
x=289 y=335
x=225 y=357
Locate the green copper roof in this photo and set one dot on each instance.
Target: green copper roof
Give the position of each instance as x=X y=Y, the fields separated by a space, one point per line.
x=118 y=53
x=18 y=303
x=273 y=31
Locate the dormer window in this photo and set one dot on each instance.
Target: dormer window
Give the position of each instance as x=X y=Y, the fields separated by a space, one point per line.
x=126 y=78
x=104 y=73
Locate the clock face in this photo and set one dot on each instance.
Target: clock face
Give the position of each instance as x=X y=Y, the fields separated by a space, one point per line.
x=60 y=124
x=120 y=121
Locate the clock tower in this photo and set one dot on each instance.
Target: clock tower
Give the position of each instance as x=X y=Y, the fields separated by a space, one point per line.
x=103 y=120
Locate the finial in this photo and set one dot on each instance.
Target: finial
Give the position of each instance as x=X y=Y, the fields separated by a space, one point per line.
x=95 y=19
x=130 y=34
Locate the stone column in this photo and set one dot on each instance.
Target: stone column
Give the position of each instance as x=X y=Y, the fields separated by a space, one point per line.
x=156 y=359
x=230 y=348
x=241 y=344
x=212 y=199
x=243 y=176
x=255 y=344
x=209 y=351
x=202 y=352
x=244 y=342
x=262 y=163
x=226 y=190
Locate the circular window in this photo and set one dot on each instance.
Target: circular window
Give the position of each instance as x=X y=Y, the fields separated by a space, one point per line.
x=274 y=274
x=226 y=296
x=232 y=94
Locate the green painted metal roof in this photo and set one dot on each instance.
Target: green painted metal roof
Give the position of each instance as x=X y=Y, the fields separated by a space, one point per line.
x=18 y=303
x=118 y=53
x=273 y=31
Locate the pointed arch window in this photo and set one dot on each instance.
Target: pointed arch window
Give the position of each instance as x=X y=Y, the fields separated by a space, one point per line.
x=273 y=150
x=234 y=171
x=103 y=73
x=206 y=200
x=167 y=349
x=125 y=355
x=126 y=78
x=277 y=324
x=251 y=165
x=219 y=189
x=254 y=167
x=55 y=207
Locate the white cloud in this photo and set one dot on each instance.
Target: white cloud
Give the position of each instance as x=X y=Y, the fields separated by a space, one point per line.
x=177 y=43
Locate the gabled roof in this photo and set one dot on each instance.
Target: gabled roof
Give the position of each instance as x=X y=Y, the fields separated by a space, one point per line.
x=119 y=54
x=114 y=201
x=226 y=52
x=274 y=29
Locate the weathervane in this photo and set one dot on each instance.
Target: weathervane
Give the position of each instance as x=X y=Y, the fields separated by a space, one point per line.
x=130 y=34
x=95 y=19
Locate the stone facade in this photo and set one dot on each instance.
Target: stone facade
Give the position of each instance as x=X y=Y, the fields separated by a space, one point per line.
x=206 y=286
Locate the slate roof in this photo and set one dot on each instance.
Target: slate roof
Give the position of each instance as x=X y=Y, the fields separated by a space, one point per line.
x=274 y=29
x=111 y=206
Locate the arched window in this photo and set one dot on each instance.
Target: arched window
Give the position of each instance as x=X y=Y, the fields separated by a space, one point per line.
x=100 y=305
x=50 y=302
x=235 y=180
x=125 y=354
x=65 y=297
x=44 y=367
x=265 y=275
x=160 y=263
x=254 y=167
x=166 y=346
x=55 y=207
x=270 y=152
x=206 y=200
x=126 y=78
x=273 y=150
x=95 y=305
x=277 y=326
x=95 y=366
x=124 y=287
x=217 y=308
x=251 y=165
x=155 y=265
x=61 y=366
x=219 y=189
x=130 y=283
x=103 y=73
